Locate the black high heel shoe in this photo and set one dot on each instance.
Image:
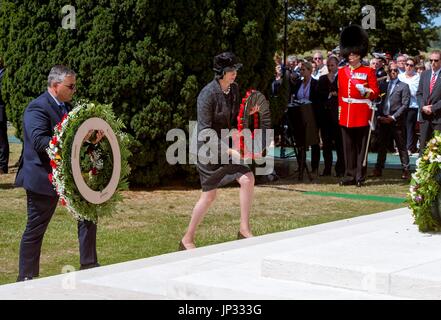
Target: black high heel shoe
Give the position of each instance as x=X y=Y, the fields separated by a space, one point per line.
x=240 y=236
x=181 y=246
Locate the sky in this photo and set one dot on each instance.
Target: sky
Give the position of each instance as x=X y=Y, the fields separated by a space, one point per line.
x=437 y=21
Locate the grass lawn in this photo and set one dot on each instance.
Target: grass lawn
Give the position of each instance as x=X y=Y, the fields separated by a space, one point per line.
x=151 y=222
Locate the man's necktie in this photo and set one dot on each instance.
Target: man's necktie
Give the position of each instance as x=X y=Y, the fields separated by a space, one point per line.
x=390 y=90
x=432 y=82
x=63 y=108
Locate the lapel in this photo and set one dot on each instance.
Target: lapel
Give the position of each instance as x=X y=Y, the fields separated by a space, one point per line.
x=388 y=93
x=397 y=87
x=426 y=82
x=221 y=98
x=54 y=108
x=437 y=82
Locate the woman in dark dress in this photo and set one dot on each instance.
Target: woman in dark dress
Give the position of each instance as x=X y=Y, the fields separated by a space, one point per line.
x=217 y=108
x=329 y=127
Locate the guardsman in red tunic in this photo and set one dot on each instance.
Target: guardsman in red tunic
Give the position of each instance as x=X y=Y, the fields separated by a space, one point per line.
x=357 y=88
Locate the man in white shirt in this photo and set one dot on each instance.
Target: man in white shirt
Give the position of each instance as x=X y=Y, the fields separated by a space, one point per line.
x=321 y=67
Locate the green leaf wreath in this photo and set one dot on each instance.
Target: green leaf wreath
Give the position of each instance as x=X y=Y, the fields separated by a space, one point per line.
x=424 y=196
x=96 y=161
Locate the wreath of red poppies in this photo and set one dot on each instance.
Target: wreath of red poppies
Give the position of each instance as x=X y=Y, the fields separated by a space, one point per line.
x=244 y=112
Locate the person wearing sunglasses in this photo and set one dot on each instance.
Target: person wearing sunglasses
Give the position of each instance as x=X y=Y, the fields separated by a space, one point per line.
x=412 y=78
x=321 y=68
x=391 y=121
x=39 y=119
x=429 y=99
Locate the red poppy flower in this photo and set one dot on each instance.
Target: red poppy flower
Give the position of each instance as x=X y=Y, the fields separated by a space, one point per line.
x=53 y=164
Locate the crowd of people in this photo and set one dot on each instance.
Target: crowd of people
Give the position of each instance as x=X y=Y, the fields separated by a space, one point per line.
x=407 y=104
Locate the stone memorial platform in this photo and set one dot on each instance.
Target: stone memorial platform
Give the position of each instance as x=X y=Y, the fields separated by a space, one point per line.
x=378 y=256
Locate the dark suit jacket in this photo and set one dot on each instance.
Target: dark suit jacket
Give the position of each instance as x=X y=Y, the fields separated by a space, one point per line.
x=399 y=100
x=424 y=98
x=313 y=93
x=2 y=103
x=39 y=120
x=313 y=97
x=328 y=106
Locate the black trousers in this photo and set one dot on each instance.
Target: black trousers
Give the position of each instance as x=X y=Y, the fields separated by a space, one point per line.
x=426 y=132
x=4 y=145
x=354 y=148
x=331 y=136
x=397 y=132
x=40 y=209
x=411 y=136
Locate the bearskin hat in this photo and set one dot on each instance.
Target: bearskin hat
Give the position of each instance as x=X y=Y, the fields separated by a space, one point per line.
x=354 y=39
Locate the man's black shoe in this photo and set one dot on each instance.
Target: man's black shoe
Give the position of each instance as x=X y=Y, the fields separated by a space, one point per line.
x=89 y=266
x=19 y=279
x=325 y=173
x=347 y=182
x=359 y=183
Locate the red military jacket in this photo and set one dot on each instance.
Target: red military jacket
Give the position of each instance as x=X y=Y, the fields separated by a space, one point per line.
x=355 y=113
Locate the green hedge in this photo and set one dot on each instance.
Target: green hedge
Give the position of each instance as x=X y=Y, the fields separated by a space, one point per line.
x=149 y=58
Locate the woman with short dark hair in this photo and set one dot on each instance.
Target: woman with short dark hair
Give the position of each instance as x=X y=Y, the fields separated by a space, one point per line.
x=217 y=108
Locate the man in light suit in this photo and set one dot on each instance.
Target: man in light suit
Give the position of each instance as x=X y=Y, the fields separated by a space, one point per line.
x=391 y=120
x=429 y=99
x=40 y=117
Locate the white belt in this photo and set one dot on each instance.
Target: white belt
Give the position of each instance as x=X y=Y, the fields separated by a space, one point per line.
x=367 y=101
x=353 y=100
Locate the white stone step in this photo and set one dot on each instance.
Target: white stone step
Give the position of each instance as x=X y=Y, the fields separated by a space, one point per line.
x=388 y=260
x=247 y=269
x=244 y=281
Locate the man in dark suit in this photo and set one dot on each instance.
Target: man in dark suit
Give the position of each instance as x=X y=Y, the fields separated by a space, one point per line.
x=4 y=144
x=40 y=117
x=391 y=121
x=429 y=99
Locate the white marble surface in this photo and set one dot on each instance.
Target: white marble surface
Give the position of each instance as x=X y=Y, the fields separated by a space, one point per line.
x=380 y=256
x=367 y=261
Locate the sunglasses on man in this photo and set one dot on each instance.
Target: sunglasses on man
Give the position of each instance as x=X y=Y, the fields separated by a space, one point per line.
x=71 y=87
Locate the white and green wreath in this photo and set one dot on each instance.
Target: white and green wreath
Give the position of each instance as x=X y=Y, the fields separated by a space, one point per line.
x=425 y=187
x=96 y=162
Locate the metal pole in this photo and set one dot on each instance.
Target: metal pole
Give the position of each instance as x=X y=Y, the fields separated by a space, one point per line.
x=286 y=33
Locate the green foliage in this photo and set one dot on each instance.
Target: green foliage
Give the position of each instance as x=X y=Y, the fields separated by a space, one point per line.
x=149 y=59
x=401 y=25
x=424 y=195
x=436 y=44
